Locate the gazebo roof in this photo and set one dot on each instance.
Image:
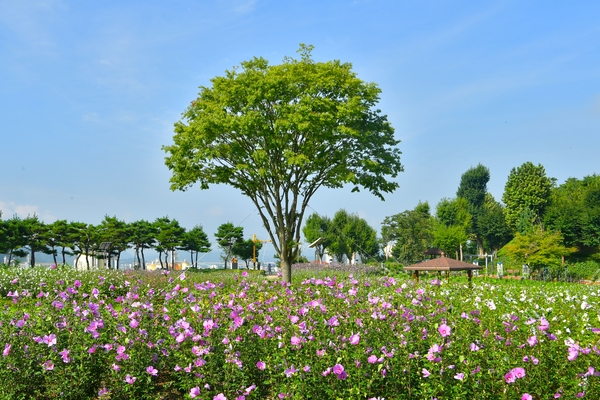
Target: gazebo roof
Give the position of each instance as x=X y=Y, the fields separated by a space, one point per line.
x=442 y=264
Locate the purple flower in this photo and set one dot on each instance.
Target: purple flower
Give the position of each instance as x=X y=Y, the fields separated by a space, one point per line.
x=220 y=396
x=544 y=324
x=425 y=373
x=65 y=355
x=474 y=347
x=194 y=392
x=372 y=359
x=296 y=340
x=261 y=365
x=342 y=376
x=6 y=349
x=510 y=377
x=459 y=376
x=519 y=372
x=444 y=330
x=131 y=379
x=338 y=369
x=290 y=371
x=102 y=392
x=48 y=365
x=354 y=339
x=573 y=353
x=526 y=396
x=50 y=340
x=532 y=341
x=152 y=371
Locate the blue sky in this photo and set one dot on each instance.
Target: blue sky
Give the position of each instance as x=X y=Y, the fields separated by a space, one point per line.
x=89 y=92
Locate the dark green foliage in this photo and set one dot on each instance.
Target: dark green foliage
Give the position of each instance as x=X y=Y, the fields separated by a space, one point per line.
x=195 y=241
x=227 y=236
x=411 y=233
x=527 y=188
x=574 y=210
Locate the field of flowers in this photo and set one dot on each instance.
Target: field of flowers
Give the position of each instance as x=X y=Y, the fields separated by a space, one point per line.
x=330 y=335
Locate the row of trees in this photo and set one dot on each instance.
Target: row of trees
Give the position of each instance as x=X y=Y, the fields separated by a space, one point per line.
x=538 y=222
x=19 y=237
x=61 y=239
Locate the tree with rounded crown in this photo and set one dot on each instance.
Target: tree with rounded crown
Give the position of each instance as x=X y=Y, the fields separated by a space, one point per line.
x=278 y=133
x=527 y=191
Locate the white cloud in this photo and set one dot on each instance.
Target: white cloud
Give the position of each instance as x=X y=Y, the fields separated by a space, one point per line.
x=9 y=209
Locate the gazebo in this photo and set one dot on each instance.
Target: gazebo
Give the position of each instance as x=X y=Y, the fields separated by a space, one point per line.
x=442 y=264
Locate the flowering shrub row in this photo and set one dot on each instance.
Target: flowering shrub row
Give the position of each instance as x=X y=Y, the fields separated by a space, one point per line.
x=135 y=335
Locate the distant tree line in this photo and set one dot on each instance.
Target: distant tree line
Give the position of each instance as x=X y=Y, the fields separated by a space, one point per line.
x=538 y=223
x=20 y=237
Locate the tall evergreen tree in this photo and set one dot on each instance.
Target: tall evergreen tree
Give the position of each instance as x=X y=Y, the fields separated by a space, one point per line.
x=473 y=187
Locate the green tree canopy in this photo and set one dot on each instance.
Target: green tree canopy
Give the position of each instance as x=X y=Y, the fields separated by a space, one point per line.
x=278 y=133
x=452 y=225
x=527 y=190
x=227 y=236
x=492 y=225
x=538 y=248
x=244 y=249
x=195 y=241
x=473 y=187
x=351 y=236
x=169 y=237
x=410 y=232
x=574 y=210
x=318 y=227
x=142 y=236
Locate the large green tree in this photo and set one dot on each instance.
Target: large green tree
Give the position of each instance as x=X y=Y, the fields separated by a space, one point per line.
x=473 y=187
x=116 y=234
x=169 y=237
x=227 y=236
x=317 y=229
x=142 y=236
x=574 y=210
x=452 y=225
x=351 y=236
x=410 y=232
x=195 y=241
x=35 y=237
x=538 y=248
x=278 y=133
x=527 y=192
x=13 y=238
x=492 y=224
x=57 y=238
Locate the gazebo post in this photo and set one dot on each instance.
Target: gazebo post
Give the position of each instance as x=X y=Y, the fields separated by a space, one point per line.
x=447 y=276
x=470 y=275
x=416 y=275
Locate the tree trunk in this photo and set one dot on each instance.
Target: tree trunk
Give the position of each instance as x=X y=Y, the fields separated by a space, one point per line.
x=479 y=240
x=32 y=260
x=160 y=259
x=143 y=259
x=54 y=255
